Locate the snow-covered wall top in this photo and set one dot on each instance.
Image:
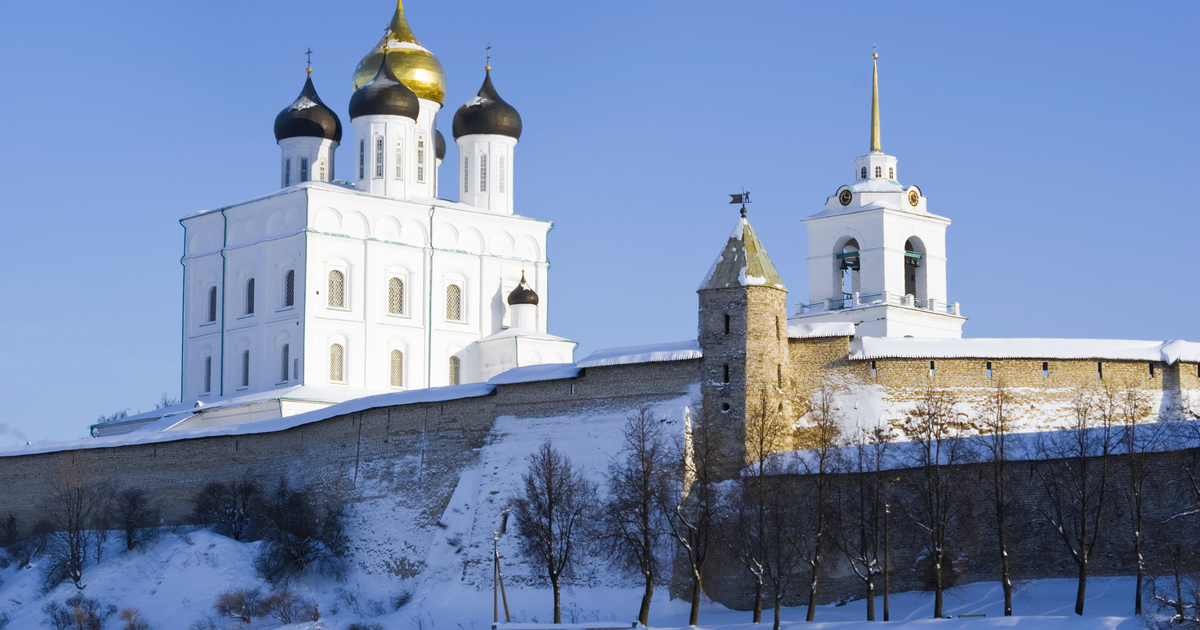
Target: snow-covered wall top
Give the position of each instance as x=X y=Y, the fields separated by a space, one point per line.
x=530 y=373
x=677 y=351
x=1111 y=349
x=826 y=329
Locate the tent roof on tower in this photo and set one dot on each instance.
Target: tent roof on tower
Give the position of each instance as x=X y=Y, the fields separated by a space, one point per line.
x=744 y=262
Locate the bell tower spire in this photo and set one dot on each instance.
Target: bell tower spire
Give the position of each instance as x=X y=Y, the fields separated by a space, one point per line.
x=875 y=145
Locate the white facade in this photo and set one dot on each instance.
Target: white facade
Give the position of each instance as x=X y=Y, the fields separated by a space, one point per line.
x=485 y=171
x=395 y=156
x=306 y=159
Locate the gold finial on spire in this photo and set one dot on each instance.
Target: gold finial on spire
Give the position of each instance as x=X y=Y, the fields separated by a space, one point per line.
x=488 y=68
x=875 y=145
x=309 y=53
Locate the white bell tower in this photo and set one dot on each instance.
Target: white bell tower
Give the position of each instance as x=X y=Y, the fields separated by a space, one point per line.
x=877 y=256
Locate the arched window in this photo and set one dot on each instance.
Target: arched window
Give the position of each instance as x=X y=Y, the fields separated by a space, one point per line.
x=336 y=373
x=303 y=169
x=212 y=304
x=891 y=173
x=378 y=156
x=396 y=296
x=287 y=173
x=482 y=172
x=455 y=371
x=502 y=176
x=914 y=273
x=250 y=296
x=397 y=368
x=362 y=158
x=245 y=368
x=878 y=171
x=283 y=363
x=421 y=159
x=466 y=177
x=207 y=374
x=399 y=159
x=322 y=171
x=289 y=288
x=864 y=173
x=454 y=303
x=337 y=289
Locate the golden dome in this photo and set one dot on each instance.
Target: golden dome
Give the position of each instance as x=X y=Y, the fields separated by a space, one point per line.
x=415 y=66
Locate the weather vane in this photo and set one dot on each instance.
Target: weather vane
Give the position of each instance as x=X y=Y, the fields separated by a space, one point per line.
x=743 y=199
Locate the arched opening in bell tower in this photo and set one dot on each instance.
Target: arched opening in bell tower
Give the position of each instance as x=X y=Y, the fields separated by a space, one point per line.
x=846 y=271
x=914 y=268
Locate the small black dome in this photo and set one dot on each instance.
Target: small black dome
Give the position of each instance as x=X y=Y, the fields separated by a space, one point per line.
x=487 y=113
x=384 y=95
x=439 y=144
x=308 y=117
x=523 y=294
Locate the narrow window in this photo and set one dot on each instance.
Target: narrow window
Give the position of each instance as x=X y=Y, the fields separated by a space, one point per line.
x=502 y=176
x=337 y=287
x=455 y=371
x=303 y=169
x=289 y=288
x=779 y=375
x=726 y=323
x=466 y=173
x=362 y=158
x=295 y=368
x=207 y=374
x=989 y=369
x=323 y=178
x=212 y=304
x=1099 y=370
x=932 y=369
x=454 y=303
x=482 y=172
x=399 y=159
x=250 y=296
x=778 y=329
x=863 y=173
x=287 y=173
x=874 y=369
x=420 y=159
x=283 y=364
x=397 y=368
x=878 y=171
x=245 y=368
x=396 y=296
x=726 y=376
x=1151 y=370
x=335 y=363
x=891 y=173
x=1045 y=369
x=378 y=156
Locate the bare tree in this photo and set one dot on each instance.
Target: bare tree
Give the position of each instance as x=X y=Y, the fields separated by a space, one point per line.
x=131 y=512
x=75 y=502
x=995 y=426
x=819 y=438
x=1138 y=440
x=861 y=505
x=231 y=509
x=937 y=451
x=632 y=522
x=553 y=515
x=1076 y=482
x=690 y=503
x=302 y=527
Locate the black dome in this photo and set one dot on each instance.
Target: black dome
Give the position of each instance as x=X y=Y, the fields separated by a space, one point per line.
x=487 y=113
x=308 y=117
x=384 y=95
x=523 y=294
x=439 y=144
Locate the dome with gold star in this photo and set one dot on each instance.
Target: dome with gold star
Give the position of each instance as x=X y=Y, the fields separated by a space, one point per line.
x=415 y=66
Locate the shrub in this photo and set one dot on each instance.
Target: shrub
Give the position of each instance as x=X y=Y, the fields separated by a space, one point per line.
x=302 y=528
x=133 y=620
x=400 y=599
x=23 y=551
x=362 y=625
x=230 y=509
x=239 y=603
x=132 y=514
x=80 y=613
x=288 y=607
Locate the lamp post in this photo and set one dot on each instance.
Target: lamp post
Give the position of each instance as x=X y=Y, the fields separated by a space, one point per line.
x=497 y=574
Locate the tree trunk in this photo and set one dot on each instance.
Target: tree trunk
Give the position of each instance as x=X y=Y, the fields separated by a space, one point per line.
x=778 y=603
x=937 y=585
x=1005 y=572
x=870 y=597
x=758 y=596
x=1137 y=554
x=697 y=589
x=557 y=600
x=1082 y=588
x=644 y=613
x=812 y=590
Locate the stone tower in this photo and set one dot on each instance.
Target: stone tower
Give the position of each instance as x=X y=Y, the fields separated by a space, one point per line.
x=743 y=334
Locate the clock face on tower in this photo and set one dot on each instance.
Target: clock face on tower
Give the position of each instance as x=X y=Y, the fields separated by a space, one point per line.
x=914 y=198
x=845 y=197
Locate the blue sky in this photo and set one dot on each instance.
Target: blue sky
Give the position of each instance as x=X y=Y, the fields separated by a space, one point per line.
x=1059 y=137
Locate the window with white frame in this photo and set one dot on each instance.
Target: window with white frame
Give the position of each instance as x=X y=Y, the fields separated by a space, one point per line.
x=455 y=371
x=395 y=296
x=337 y=363
x=466 y=173
x=454 y=303
x=212 y=304
x=303 y=169
x=207 y=375
x=284 y=363
x=337 y=289
x=397 y=371
x=378 y=156
x=501 y=175
x=399 y=159
x=289 y=288
x=362 y=158
x=245 y=368
x=250 y=296
x=482 y=172
x=421 y=159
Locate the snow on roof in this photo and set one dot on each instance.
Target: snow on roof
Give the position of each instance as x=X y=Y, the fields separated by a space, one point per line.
x=524 y=334
x=677 y=351
x=530 y=373
x=821 y=329
x=743 y=262
x=865 y=348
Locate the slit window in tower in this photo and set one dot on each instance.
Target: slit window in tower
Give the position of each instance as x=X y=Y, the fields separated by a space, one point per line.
x=378 y=156
x=245 y=368
x=362 y=158
x=421 y=159
x=212 y=304
x=250 y=296
x=482 y=172
x=989 y=369
x=283 y=364
x=726 y=323
x=1151 y=370
x=1099 y=370
x=466 y=177
x=502 y=175
x=289 y=288
x=287 y=173
x=874 y=369
x=207 y=374
x=1045 y=369
x=303 y=169
x=725 y=378
x=397 y=371
x=399 y=159
x=878 y=171
x=932 y=369
x=336 y=356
